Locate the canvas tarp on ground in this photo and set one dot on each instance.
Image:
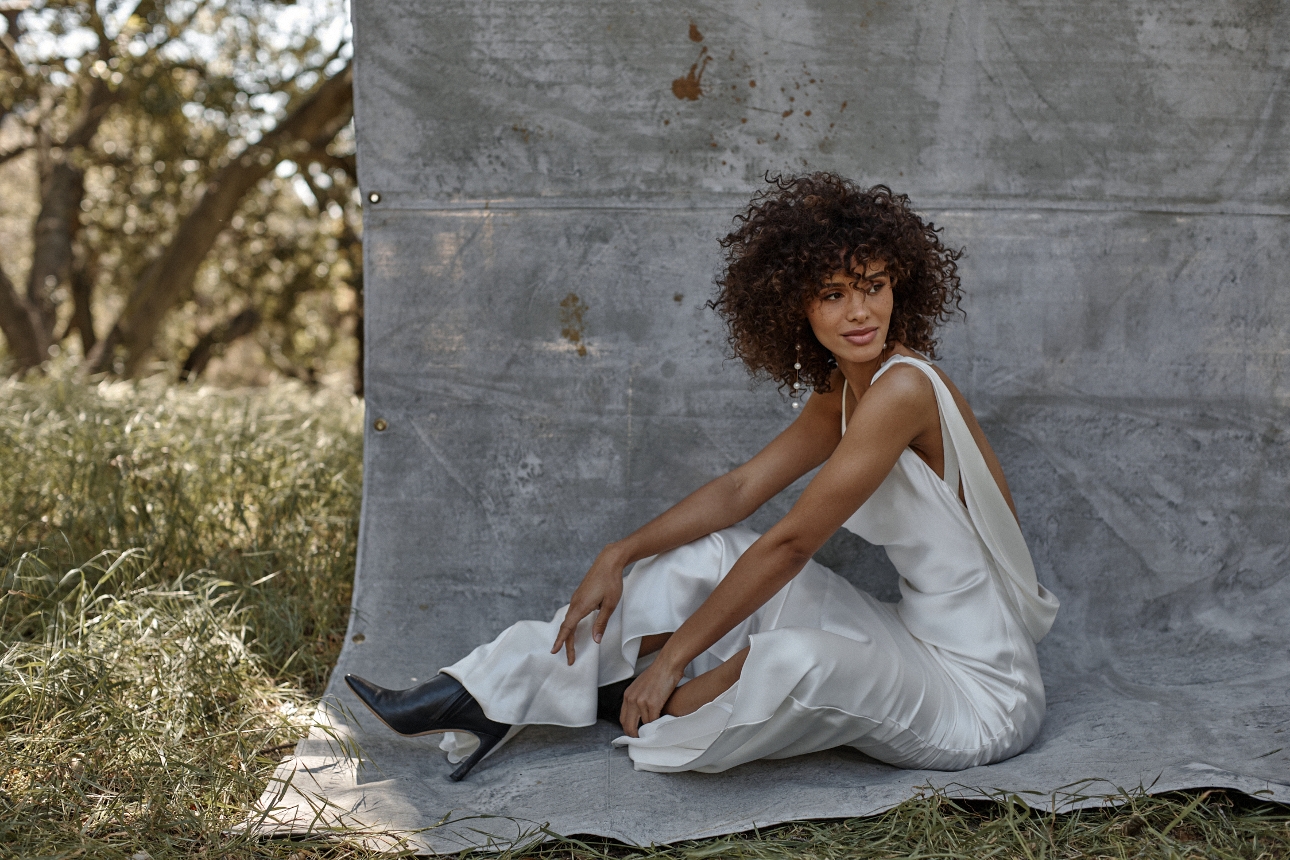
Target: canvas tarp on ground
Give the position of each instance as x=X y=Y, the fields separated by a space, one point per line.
x=544 y=182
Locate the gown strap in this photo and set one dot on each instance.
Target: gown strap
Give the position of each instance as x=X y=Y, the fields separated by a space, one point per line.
x=951 y=456
x=1035 y=605
x=844 y=406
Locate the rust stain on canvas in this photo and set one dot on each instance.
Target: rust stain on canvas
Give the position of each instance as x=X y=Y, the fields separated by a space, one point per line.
x=689 y=87
x=572 y=325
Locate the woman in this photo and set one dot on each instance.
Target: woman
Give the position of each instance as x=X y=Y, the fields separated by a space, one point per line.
x=722 y=646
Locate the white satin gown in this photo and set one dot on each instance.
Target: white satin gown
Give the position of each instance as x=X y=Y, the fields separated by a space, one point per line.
x=945 y=679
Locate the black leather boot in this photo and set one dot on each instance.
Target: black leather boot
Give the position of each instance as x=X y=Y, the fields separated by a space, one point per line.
x=609 y=700
x=441 y=704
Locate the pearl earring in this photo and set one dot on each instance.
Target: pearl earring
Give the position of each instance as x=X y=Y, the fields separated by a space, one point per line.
x=797 y=382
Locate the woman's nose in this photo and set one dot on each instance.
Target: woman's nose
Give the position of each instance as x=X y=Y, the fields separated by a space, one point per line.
x=857 y=307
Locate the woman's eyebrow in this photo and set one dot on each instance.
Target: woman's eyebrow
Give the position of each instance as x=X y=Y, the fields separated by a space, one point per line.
x=861 y=280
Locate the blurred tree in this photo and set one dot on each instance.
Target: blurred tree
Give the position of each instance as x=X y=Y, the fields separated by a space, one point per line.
x=196 y=183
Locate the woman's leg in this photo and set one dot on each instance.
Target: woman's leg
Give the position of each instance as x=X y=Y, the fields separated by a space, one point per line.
x=688 y=698
x=650 y=644
x=518 y=681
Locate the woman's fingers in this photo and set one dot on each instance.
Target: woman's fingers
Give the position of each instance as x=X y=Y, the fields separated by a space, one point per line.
x=568 y=631
x=598 y=591
x=630 y=718
x=643 y=702
x=568 y=628
x=598 y=598
x=561 y=639
x=602 y=618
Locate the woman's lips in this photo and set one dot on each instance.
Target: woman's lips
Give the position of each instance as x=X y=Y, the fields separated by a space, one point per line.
x=860 y=336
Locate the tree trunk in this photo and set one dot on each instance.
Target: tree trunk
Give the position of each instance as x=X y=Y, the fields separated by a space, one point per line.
x=170 y=277
x=82 y=308
x=21 y=326
x=54 y=231
x=52 y=234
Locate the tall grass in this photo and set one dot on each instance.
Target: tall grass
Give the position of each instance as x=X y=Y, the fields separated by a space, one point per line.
x=175 y=573
x=257 y=489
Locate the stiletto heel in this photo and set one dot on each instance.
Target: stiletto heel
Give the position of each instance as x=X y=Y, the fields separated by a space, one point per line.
x=486 y=745
x=439 y=705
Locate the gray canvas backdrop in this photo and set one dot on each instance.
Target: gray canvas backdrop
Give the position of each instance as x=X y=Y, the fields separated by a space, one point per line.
x=550 y=178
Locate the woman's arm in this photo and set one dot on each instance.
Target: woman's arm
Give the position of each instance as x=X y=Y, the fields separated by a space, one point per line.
x=895 y=411
x=722 y=502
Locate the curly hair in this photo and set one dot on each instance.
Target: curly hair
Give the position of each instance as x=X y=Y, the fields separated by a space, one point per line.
x=798 y=232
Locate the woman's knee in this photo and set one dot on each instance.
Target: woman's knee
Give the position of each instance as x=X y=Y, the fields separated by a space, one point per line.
x=682 y=577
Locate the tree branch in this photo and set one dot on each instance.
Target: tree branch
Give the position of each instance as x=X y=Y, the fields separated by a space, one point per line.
x=99 y=98
x=14 y=153
x=347 y=163
x=13 y=16
x=62 y=189
x=170 y=277
x=320 y=200
x=221 y=335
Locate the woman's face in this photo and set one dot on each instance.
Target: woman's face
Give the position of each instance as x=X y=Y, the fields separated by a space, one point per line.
x=851 y=311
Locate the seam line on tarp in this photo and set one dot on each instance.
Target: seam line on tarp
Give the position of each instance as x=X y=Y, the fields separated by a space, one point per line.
x=397 y=201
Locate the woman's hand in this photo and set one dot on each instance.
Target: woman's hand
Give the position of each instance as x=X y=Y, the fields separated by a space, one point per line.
x=600 y=591
x=644 y=700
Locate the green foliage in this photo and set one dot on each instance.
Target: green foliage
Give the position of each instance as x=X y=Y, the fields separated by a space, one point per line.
x=175 y=572
x=168 y=93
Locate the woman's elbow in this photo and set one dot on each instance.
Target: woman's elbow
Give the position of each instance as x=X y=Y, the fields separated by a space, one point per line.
x=740 y=494
x=792 y=550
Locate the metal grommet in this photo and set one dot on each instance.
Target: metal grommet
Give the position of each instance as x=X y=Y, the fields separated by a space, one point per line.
x=380 y=424
x=374 y=197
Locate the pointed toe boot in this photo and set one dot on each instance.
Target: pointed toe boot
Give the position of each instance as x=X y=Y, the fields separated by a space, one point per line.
x=441 y=704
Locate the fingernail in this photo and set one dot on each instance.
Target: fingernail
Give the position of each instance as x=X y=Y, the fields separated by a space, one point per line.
x=597 y=637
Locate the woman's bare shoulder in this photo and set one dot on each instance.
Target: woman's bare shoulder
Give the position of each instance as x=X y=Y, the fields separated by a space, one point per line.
x=904 y=383
x=915 y=381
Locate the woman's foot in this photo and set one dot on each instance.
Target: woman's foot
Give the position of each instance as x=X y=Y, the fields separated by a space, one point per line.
x=609 y=698
x=441 y=704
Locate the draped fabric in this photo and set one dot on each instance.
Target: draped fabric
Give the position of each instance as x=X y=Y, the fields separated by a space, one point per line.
x=945 y=679
x=989 y=513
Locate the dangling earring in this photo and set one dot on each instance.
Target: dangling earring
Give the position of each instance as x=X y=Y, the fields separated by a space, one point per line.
x=797 y=382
